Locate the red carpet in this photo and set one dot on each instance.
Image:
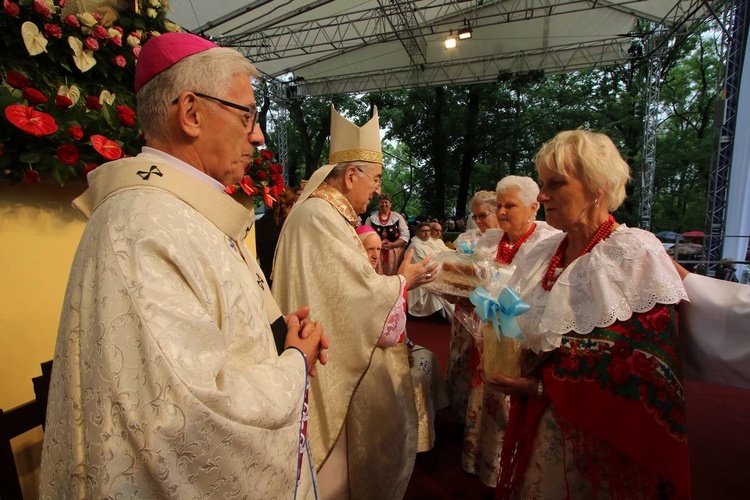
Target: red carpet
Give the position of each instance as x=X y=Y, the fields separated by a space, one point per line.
x=718 y=420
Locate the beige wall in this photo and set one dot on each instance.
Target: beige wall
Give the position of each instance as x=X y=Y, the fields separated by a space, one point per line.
x=39 y=233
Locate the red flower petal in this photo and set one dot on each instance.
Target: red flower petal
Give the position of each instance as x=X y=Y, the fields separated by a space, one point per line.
x=108 y=149
x=248 y=186
x=30 y=120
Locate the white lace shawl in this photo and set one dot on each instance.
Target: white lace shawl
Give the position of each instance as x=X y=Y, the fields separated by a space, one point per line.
x=626 y=273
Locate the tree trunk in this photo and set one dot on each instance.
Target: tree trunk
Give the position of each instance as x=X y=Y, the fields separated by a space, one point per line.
x=469 y=149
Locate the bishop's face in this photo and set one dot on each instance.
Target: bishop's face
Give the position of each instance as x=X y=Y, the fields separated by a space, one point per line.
x=366 y=184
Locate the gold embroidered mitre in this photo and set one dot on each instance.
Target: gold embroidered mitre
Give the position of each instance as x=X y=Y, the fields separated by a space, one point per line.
x=352 y=143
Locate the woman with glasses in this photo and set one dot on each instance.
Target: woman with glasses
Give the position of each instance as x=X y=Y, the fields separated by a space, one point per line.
x=393 y=230
x=458 y=374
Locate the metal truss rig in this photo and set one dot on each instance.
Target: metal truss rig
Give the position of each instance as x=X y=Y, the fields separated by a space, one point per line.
x=718 y=187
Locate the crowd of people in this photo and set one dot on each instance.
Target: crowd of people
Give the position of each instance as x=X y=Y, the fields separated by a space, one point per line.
x=180 y=372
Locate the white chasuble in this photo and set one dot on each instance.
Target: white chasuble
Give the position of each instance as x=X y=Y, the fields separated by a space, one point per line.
x=321 y=262
x=166 y=381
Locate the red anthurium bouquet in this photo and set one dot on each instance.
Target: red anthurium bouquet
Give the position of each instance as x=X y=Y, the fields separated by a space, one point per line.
x=264 y=176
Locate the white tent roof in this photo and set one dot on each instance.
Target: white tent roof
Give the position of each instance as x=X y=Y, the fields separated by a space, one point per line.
x=343 y=46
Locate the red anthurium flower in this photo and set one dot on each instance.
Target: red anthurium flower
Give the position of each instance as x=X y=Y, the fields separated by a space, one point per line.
x=101 y=32
x=11 y=9
x=231 y=189
x=68 y=154
x=52 y=30
x=76 y=132
x=31 y=176
x=266 y=154
x=108 y=149
x=72 y=21
x=119 y=61
x=89 y=167
x=126 y=116
x=277 y=189
x=17 y=80
x=92 y=102
x=267 y=196
x=33 y=96
x=41 y=8
x=63 y=102
x=90 y=43
x=248 y=187
x=30 y=120
x=261 y=175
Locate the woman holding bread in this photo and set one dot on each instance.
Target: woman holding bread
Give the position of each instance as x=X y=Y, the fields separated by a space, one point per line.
x=487 y=410
x=599 y=410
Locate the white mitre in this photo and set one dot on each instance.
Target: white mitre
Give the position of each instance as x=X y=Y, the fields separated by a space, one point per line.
x=352 y=143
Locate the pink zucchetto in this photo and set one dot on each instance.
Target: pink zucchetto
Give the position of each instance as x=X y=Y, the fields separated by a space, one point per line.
x=161 y=52
x=364 y=231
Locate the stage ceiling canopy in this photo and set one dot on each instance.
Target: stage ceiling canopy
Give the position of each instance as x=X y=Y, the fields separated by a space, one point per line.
x=346 y=46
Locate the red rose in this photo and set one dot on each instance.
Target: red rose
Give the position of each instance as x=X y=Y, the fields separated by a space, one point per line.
x=619 y=370
x=17 y=80
x=68 y=154
x=118 y=29
x=31 y=176
x=61 y=3
x=276 y=168
x=30 y=120
x=41 y=8
x=116 y=41
x=89 y=167
x=262 y=175
x=11 y=9
x=63 y=102
x=72 y=21
x=92 y=102
x=136 y=51
x=33 y=96
x=657 y=319
x=52 y=30
x=247 y=185
x=119 y=61
x=641 y=365
x=257 y=162
x=76 y=132
x=97 y=17
x=90 y=43
x=277 y=179
x=621 y=349
x=266 y=154
x=126 y=116
x=108 y=149
x=101 y=32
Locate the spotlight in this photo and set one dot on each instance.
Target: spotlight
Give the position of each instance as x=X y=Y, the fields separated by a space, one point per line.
x=465 y=32
x=450 y=41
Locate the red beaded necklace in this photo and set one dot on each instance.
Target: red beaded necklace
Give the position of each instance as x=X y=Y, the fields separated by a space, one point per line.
x=506 y=252
x=550 y=277
x=383 y=221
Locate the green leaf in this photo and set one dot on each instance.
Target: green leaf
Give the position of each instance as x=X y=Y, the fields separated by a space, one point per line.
x=29 y=157
x=110 y=115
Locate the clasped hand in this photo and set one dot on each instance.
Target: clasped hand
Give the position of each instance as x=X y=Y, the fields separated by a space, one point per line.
x=308 y=337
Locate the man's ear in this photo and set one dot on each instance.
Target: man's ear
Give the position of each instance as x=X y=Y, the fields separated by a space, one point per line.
x=189 y=114
x=349 y=174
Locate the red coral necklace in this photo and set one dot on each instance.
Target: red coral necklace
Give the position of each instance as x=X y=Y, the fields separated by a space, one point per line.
x=550 y=277
x=506 y=252
x=383 y=221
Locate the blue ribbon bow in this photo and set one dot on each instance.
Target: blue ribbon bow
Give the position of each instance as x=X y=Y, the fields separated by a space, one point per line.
x=466 y=246
x=501 y=311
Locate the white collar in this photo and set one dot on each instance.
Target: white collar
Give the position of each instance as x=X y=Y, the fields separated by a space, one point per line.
x=181 y=166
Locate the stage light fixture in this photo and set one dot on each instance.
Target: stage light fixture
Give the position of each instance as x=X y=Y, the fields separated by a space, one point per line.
x=465 y=32
x=451 y=41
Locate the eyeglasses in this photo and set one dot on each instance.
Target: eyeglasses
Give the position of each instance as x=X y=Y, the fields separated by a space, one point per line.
x=481 y=215
x=436 y=230
x=251 y=112
x=378 y=180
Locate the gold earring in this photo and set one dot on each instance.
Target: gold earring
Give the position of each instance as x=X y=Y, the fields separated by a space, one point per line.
x=596 y=202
